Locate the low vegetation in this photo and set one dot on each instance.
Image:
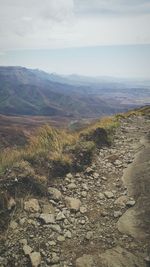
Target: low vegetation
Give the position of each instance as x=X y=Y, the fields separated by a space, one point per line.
x=54 y=152
x=61 y=149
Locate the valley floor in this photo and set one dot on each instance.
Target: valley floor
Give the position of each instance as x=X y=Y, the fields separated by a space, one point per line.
x=99 y=217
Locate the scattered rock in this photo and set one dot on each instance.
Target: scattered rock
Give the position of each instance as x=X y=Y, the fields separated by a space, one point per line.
x=48 y=208
x=69 y=176
x=27 y=250
x=73 y=203
x=52 y=243
x=130 y=203
x=89 y=235
x=68 y=234
x=83 y=210
x=109 y=194
x=85 y=261
x=35 y=258
x=120 y=257
x=72 y=186
x=121 y=201
x=47 y=218
x=101 y=196
x=117 y=214
x=54 y=193
x=56 y=228
x=95 y=175
x=61 y=238
x=32 y=205
x=83 y=193
x=55 y=258
x=23 y=241
x=118 y=162
x=89 y=170
x=85 y=187
x=13 y=225
x=60 y=216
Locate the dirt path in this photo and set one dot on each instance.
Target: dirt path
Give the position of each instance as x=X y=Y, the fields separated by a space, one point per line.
x=88 y=220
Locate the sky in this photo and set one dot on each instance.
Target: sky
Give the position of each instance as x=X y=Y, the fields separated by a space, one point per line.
x=88 y=37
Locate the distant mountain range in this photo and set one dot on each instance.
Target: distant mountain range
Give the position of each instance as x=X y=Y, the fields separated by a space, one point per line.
x=33 y=92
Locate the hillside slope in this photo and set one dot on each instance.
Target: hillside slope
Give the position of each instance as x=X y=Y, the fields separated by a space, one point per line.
x=31 y=92
x=78 y=222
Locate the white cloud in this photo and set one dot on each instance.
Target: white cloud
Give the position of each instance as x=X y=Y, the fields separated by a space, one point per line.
x=39 y=24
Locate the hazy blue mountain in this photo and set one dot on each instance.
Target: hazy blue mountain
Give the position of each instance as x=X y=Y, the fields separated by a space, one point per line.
x=33 y=92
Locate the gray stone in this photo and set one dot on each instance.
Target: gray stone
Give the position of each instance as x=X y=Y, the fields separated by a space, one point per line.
x=85 y=187
x=69 y=176
x=130 y=203
x=83 y=193
x=83 y=209
x=55 y=258
x=85 y=261
x=35 y=258
x=95 y=175
x=32 y=205
x=60 y=216
x=101 y=196
x=117 y=214
x=54 y=193
x=89 y=170
x=52 y=243
x=72 y=186
x=47 y=218
x=121 y=201
x=48 y=208
x=120 y=257
x=109 y=194
x=61 y=238
x=13 y=225
x=23 y=241
x=68 y=234
x=73 y=203
x=27 y=249
x=89 y=235
x=55 y=228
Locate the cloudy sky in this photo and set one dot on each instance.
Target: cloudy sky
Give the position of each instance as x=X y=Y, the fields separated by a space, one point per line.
x=93 y=37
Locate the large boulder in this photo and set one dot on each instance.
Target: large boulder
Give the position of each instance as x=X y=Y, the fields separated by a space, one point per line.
x=85 y=261
x=73 y=204
x=120 y=257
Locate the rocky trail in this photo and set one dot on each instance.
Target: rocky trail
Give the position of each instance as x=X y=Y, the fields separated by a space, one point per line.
x=96 y=218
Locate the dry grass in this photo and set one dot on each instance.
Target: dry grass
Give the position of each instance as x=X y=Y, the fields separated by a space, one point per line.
x=52 y=144
x=47 y=142
x=106 y=123
x=137 y=112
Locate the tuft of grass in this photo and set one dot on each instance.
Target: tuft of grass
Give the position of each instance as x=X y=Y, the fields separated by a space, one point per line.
x=101 y=131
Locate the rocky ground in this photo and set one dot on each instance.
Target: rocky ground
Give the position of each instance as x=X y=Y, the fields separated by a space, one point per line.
x=81 y=223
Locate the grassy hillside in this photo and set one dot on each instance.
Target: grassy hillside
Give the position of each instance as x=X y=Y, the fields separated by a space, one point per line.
x=54 y=151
